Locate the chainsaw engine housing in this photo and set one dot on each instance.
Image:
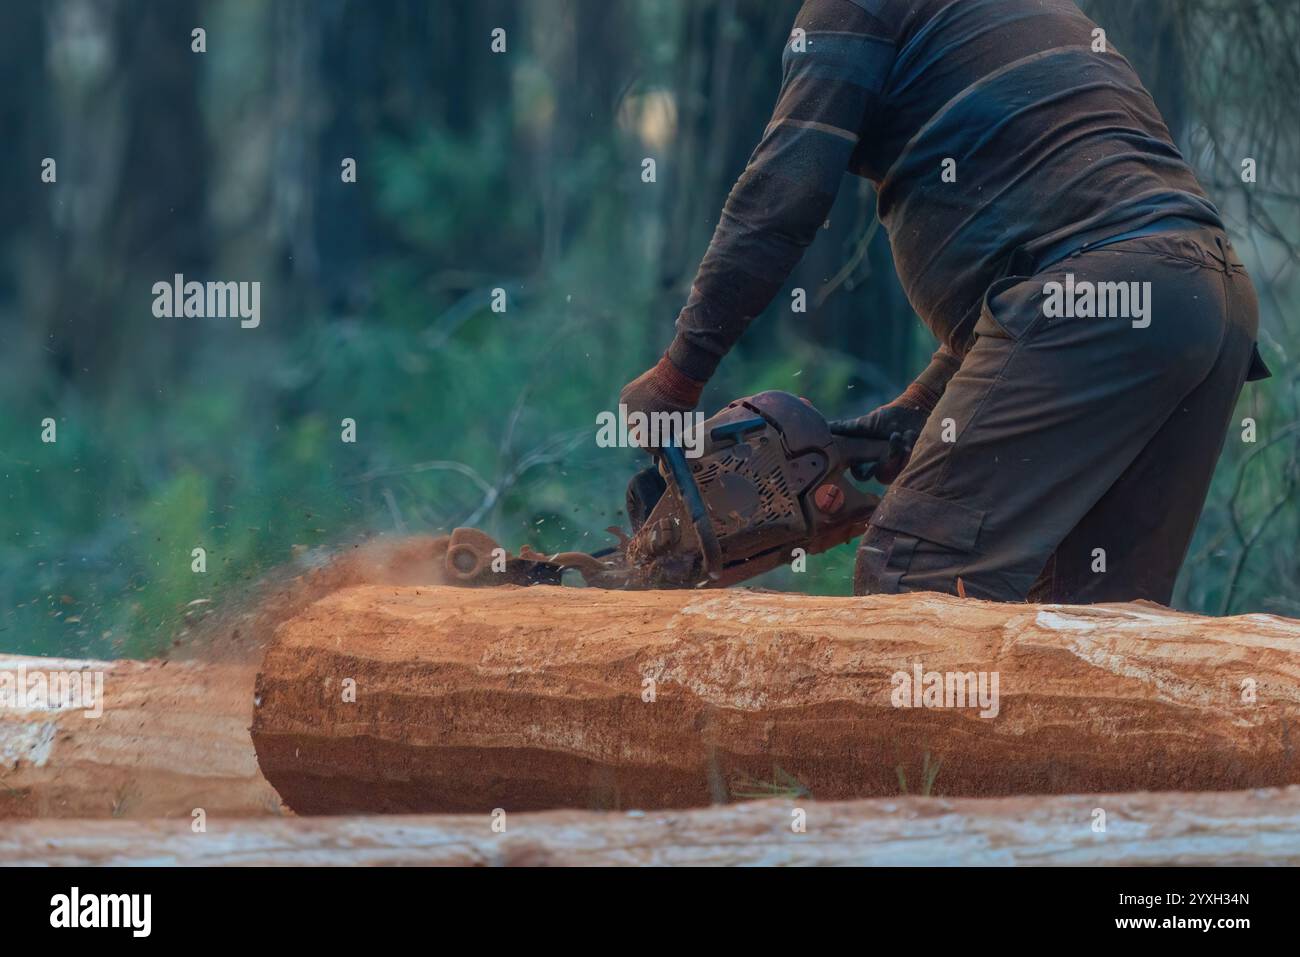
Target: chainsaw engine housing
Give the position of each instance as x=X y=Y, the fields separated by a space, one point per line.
x=770 y=477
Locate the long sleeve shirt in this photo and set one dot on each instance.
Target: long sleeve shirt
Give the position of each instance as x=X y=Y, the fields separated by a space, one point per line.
x=989 y=127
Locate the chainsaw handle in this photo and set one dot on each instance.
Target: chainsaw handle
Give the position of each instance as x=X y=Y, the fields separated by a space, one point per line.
x=864 y=455
x=680 y=474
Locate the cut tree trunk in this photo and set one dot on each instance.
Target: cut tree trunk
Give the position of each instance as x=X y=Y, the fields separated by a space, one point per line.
x=1233 y=828
x=172 y=738
x=390 y=699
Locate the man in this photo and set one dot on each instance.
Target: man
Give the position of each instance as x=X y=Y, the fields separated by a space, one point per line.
x=1095 y=324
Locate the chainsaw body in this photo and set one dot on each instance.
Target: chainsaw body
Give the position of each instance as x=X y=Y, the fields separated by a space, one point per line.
x=770 y=478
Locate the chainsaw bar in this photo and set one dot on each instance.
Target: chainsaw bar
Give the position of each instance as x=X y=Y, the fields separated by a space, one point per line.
x=472 y=558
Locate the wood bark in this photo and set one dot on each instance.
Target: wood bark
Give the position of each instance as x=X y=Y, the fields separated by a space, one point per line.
x=172 y=737
x=391 y=699
x=1232 y=828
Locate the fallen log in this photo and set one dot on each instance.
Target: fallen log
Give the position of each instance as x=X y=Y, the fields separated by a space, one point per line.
x=389 y=699
x=127 y=739
x=1232 y=828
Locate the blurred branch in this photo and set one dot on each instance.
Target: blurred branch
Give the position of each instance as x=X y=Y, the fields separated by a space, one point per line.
x=444 y=326
x=549 y=452
x=434 y=466
x=1248 y=541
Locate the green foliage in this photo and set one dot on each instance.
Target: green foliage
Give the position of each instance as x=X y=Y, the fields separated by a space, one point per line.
x=783 y=785
x=174 y=436
x=929 y=772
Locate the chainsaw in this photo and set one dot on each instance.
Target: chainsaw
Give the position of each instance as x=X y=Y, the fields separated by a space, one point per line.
x=770 y=479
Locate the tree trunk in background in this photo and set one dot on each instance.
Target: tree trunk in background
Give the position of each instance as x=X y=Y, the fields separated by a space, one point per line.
x=727 y=83
x=1150 y=36
x=524 y=699
x=119 y=114
x=582 y=49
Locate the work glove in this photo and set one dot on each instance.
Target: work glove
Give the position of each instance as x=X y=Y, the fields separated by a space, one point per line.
x=900 y=423
x=662 y=388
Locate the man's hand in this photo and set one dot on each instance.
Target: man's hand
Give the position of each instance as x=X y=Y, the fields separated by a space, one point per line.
x=899 y=423
x=662 y=388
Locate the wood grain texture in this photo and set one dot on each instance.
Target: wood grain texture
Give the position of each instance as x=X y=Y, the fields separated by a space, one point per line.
x=173 y=736
x=1227 y=828
x=533 y=698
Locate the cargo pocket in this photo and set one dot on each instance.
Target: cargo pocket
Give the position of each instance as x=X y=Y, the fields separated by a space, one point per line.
x=912 y=534
x=1007 y=312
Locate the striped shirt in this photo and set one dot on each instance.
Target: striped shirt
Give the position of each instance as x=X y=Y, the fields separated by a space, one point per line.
x=990 y=128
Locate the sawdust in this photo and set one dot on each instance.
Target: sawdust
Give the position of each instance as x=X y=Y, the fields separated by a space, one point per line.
x=239 y=629
x=174 y=733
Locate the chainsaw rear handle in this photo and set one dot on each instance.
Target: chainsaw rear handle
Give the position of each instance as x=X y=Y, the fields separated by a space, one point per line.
x=866 y=455
x=689 y=491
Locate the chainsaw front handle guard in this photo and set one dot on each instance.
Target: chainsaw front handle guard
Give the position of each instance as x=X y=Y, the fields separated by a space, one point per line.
x=689 y=491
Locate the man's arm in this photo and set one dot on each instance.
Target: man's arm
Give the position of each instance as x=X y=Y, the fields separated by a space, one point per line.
x=925 y=391
x=833 y=72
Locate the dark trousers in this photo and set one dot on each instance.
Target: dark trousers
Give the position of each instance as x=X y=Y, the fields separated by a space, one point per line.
x=1069 y=458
